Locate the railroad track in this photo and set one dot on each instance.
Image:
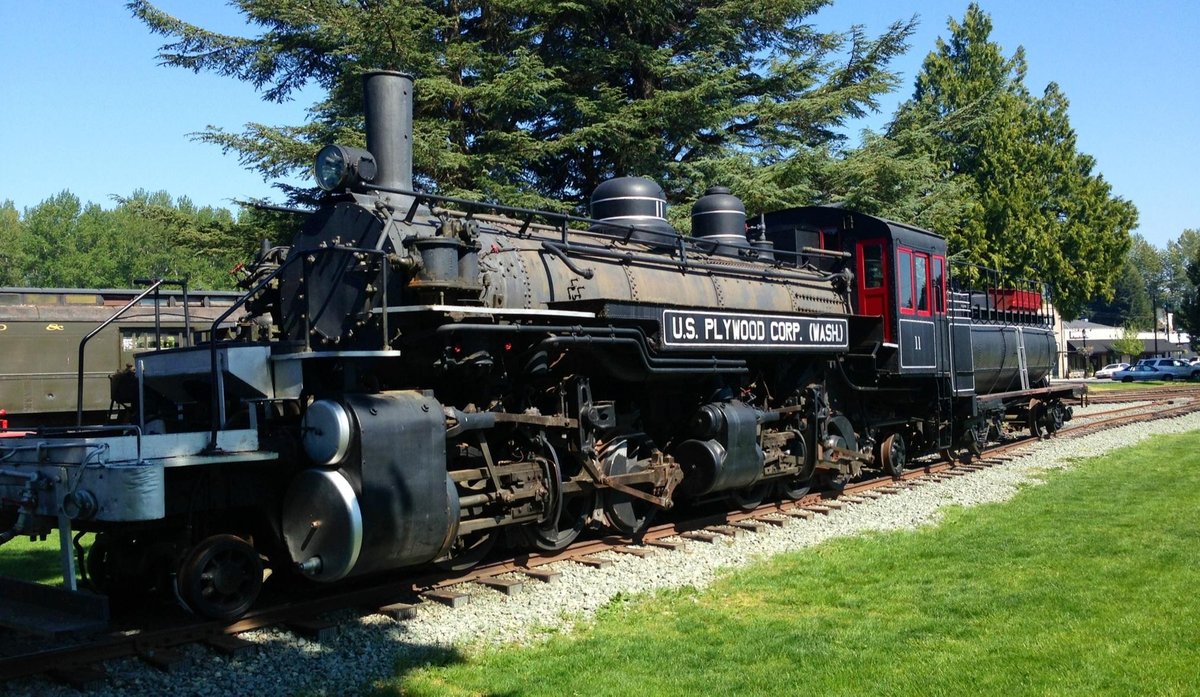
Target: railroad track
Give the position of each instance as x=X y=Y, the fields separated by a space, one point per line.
x=1164 y=392
x=80 y=664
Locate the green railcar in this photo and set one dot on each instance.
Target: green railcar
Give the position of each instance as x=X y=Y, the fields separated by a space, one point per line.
x=40 y=333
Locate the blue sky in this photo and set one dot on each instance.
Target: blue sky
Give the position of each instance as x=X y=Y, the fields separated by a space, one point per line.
x=87 y=108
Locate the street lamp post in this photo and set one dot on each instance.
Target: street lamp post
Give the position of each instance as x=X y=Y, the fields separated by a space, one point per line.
x=1087 y=355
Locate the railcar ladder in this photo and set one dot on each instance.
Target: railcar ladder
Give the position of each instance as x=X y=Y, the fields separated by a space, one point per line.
x=1022 y=363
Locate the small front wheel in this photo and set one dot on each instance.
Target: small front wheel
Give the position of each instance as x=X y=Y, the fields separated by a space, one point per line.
x=221 y=577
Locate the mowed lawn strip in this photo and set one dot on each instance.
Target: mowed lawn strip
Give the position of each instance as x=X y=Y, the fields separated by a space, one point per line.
x=1086 y=585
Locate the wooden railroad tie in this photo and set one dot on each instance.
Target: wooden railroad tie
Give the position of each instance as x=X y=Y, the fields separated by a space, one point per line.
x=317 y=630
x=543 y=575
x=593 y=562
x=799 y=513
x=869 y=495
x=664 y=544
x=507 y=586
x=229 y=645
x=822 y=509
x=449 y=598
x=777 y=522
x=727 y=530
x=832 y=504
x=164 y=659
x=640 y=552
x=700 y=536
x=80 y=677
x=749 y=525
x=399 y=611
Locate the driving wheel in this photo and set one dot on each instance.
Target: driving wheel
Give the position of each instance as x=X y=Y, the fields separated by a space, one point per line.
x=749 y=498
x=555 y=536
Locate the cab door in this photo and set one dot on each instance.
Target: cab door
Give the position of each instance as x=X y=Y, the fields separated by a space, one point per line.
x=872 y=283
x=917 y=334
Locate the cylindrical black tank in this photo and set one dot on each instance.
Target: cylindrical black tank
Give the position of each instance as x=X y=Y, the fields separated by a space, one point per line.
x=719 y=218
x=995 y=348
x=633 y=201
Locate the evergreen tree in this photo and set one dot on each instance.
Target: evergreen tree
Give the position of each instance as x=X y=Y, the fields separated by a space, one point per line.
x=895 y=176
x=538 y=101
x=1042 y=213
x=1131 y=303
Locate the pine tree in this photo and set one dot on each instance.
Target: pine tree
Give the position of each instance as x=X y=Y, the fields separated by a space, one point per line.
x=537 y=101
x=1130 y=304
x=1042 y=212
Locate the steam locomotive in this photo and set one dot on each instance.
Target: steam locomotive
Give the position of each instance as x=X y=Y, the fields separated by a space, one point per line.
x=421 y=376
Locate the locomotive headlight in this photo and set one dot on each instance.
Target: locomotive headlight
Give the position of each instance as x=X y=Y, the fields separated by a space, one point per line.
x=339 y=167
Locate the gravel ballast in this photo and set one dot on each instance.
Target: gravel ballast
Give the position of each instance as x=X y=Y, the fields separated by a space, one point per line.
x=367 y=649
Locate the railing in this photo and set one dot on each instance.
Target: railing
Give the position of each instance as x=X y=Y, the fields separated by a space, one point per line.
x=996 y=298
x=561 y=223
x=155 y=284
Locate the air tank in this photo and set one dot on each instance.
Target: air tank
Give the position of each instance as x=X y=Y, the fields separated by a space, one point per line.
x=995 y=349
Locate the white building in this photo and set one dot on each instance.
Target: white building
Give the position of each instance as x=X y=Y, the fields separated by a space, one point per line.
x=1082 y=343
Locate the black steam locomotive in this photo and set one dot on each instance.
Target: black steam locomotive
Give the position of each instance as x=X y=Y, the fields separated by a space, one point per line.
x=421 y=375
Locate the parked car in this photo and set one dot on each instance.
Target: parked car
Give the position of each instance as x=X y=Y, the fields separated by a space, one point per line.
x=1108 y=370
x=1141 y=371
x=1177 y=369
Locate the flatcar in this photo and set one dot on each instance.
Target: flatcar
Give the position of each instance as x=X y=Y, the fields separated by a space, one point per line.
x=441 y=374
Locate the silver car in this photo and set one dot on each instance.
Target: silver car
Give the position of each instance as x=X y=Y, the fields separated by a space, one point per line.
x=1108 y=370
x=1172 y=368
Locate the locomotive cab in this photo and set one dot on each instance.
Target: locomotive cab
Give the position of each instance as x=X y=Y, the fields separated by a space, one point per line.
x=899 y=292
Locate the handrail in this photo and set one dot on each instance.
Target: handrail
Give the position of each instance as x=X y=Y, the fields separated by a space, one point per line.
x=83 y=344
x=561 y=221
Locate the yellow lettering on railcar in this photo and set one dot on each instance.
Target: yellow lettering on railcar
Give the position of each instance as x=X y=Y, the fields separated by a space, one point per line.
x=54 y=327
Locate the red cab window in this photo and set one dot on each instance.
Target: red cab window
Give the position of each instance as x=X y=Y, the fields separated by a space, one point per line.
x=939 y=284
x=921 y=282
x=905 y=281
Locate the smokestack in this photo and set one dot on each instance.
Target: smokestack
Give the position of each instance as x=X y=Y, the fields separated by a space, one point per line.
x=387 y=101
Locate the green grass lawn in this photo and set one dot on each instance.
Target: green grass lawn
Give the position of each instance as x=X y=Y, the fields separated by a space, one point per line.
x=1107 y=385
x=1087 y=585
x=33 y=561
